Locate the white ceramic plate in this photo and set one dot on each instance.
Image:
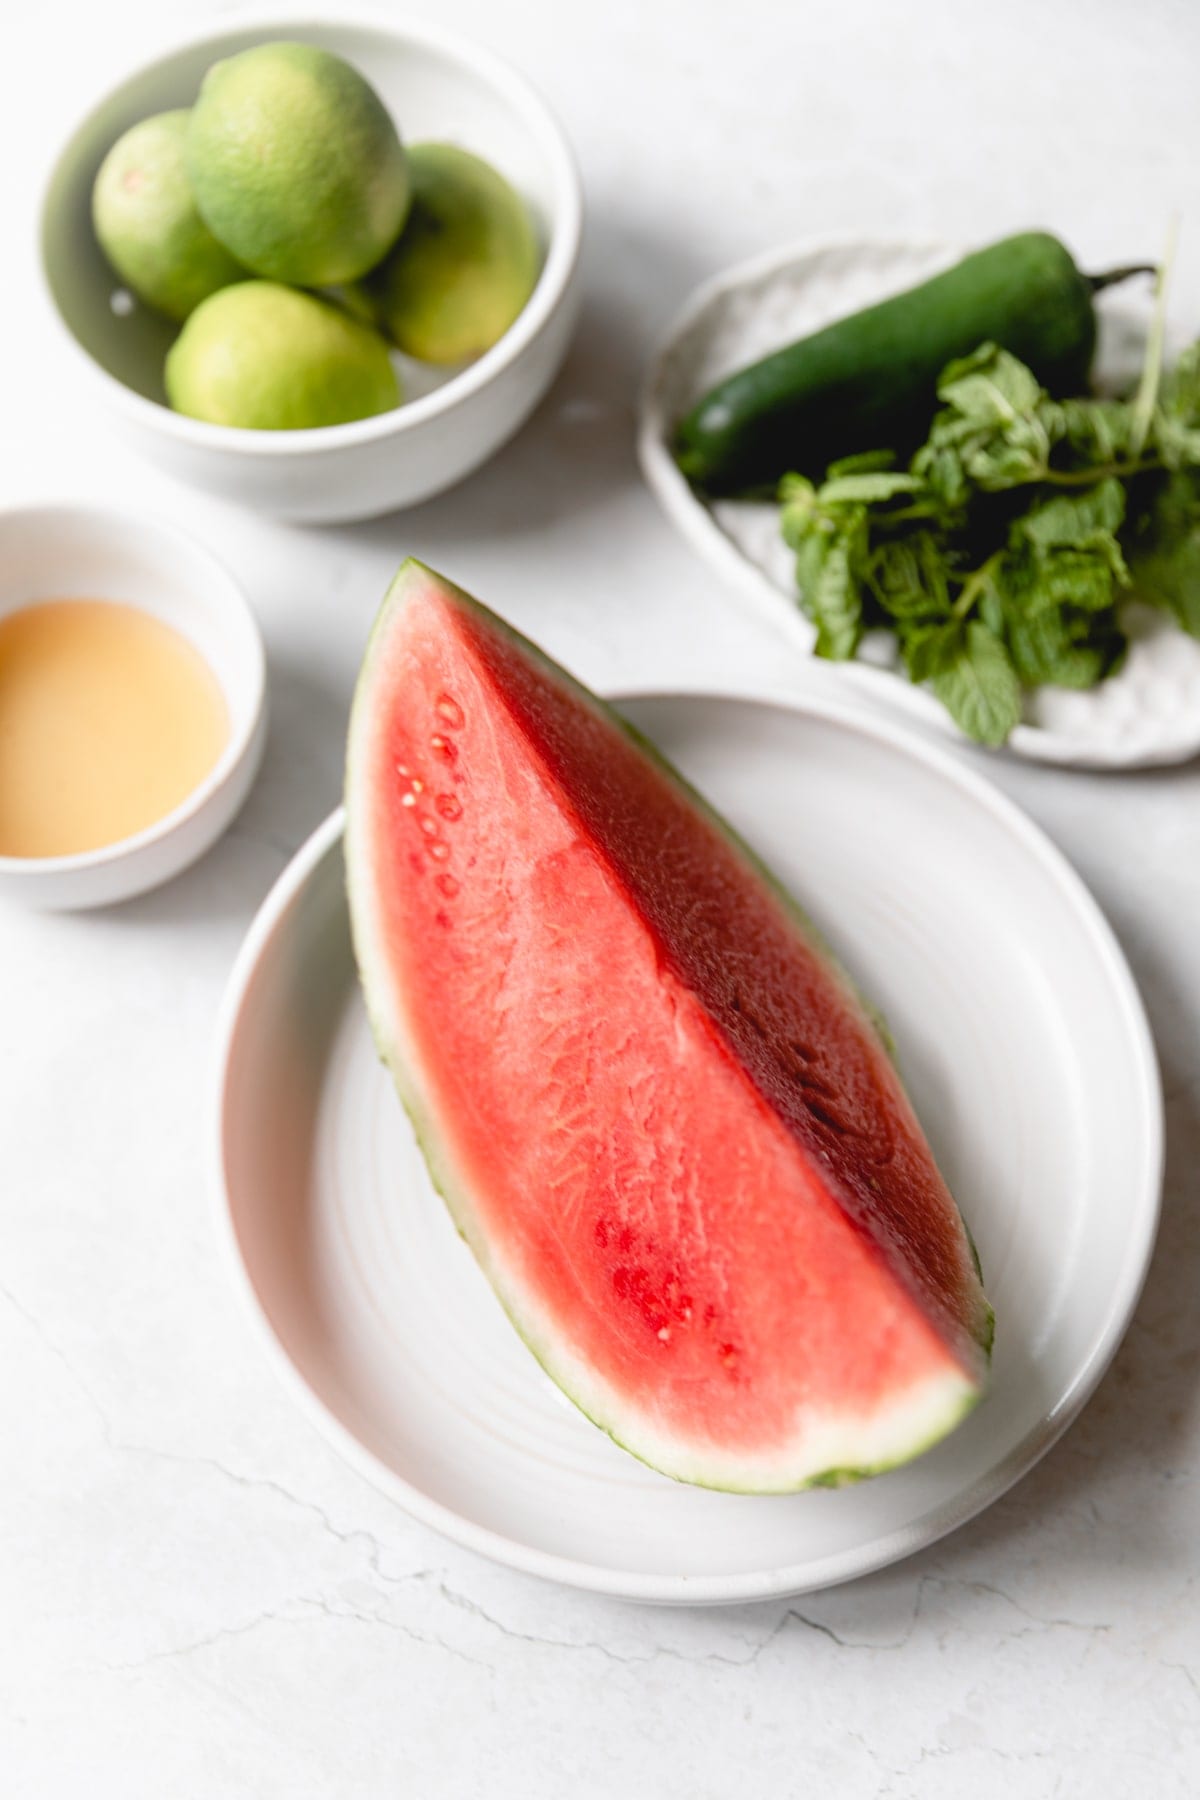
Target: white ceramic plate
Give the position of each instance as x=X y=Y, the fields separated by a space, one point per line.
x=1147 y=714
x=1027 y=1053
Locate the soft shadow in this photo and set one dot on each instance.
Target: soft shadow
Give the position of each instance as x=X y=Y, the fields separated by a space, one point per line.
x=301 y=777
x=1111 y=1475
x=576 y=451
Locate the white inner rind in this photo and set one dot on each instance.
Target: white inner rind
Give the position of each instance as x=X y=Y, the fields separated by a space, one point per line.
x=822 y=1445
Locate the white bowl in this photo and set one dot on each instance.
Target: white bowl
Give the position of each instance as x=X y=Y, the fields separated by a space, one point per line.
x=77 y=552
x=436 y=86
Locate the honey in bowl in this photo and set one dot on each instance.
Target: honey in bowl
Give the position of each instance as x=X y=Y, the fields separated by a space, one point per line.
x=109 y=720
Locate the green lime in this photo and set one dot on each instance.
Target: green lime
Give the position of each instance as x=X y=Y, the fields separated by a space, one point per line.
x=272 y=359
x=466 y=262
x=296 y=164
x=147 y=224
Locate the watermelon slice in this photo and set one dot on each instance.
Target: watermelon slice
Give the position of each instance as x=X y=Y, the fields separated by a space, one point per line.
x=660 y=1115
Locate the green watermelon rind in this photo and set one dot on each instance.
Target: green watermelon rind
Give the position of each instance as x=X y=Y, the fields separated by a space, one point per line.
x=940 y=1422
x=811 y=930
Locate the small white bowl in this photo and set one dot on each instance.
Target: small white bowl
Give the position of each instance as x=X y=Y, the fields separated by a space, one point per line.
x=77 y=552
x=436 y=86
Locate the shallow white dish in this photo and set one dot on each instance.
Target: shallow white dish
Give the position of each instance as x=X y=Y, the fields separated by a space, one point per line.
x=436 y=85
x=80 y=552
x=1023 y=1042
x=1149 y=713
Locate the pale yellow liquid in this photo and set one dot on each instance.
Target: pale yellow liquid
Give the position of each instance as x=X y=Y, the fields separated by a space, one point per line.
x=108 y=720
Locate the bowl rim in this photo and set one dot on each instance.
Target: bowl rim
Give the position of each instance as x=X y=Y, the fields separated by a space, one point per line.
x=562 y=248
x=244 y=739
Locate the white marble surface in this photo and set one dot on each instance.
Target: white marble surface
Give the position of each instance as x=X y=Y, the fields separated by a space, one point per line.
x=197 y=1598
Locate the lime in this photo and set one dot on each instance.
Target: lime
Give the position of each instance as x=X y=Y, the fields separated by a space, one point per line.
x=466 y=263
x=146 y=220
x=272 y=359
x=296 y=164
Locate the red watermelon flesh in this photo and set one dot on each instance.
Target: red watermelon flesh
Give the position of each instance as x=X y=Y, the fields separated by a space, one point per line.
x=658 y=1111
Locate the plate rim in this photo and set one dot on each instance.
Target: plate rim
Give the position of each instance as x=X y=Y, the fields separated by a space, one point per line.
x=696 y=525
x=812 y=1574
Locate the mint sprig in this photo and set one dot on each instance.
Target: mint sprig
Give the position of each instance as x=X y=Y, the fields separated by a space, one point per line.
x=1002 y=554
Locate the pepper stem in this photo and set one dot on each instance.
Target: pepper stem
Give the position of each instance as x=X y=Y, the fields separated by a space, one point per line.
x=1110 y=277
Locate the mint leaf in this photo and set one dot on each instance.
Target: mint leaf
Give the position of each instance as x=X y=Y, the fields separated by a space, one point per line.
x=866 y=489
x=829 y=594
x=1056 y=648
x=830 y=545
x=1088 y=580
x=1179 y=397
x=991 y=609
x=909 y=576
x=995 y=431
x=1036 y=581
x=1064 y=556
x=866 y=462
x=939 y=464
x=1014 y=458
x=1178 y=445
x=1096 y=432
x=1080 y=520
x=931 y=649
x=1175 y=428
x=989 y=387
x=1164 y=551
x=979 y=686
x=798 y=512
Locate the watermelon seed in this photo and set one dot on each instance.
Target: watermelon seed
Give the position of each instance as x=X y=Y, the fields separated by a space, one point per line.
x=830 y=1120
x=809 y=1080
x=408 y=799
x=448 y=710
x=443 y=747
x=428 y=825
x=664 y=1336
x=439 y=850
x=449 y=805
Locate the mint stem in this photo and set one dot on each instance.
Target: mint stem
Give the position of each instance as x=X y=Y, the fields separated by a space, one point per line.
x=1097 y=472
x=1147 y=394
x=974 y=585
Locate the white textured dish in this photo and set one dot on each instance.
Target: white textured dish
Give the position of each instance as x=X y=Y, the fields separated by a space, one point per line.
x=80 y=552
x=436 y=85
x=1149 y=713
x=1024 y=1045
